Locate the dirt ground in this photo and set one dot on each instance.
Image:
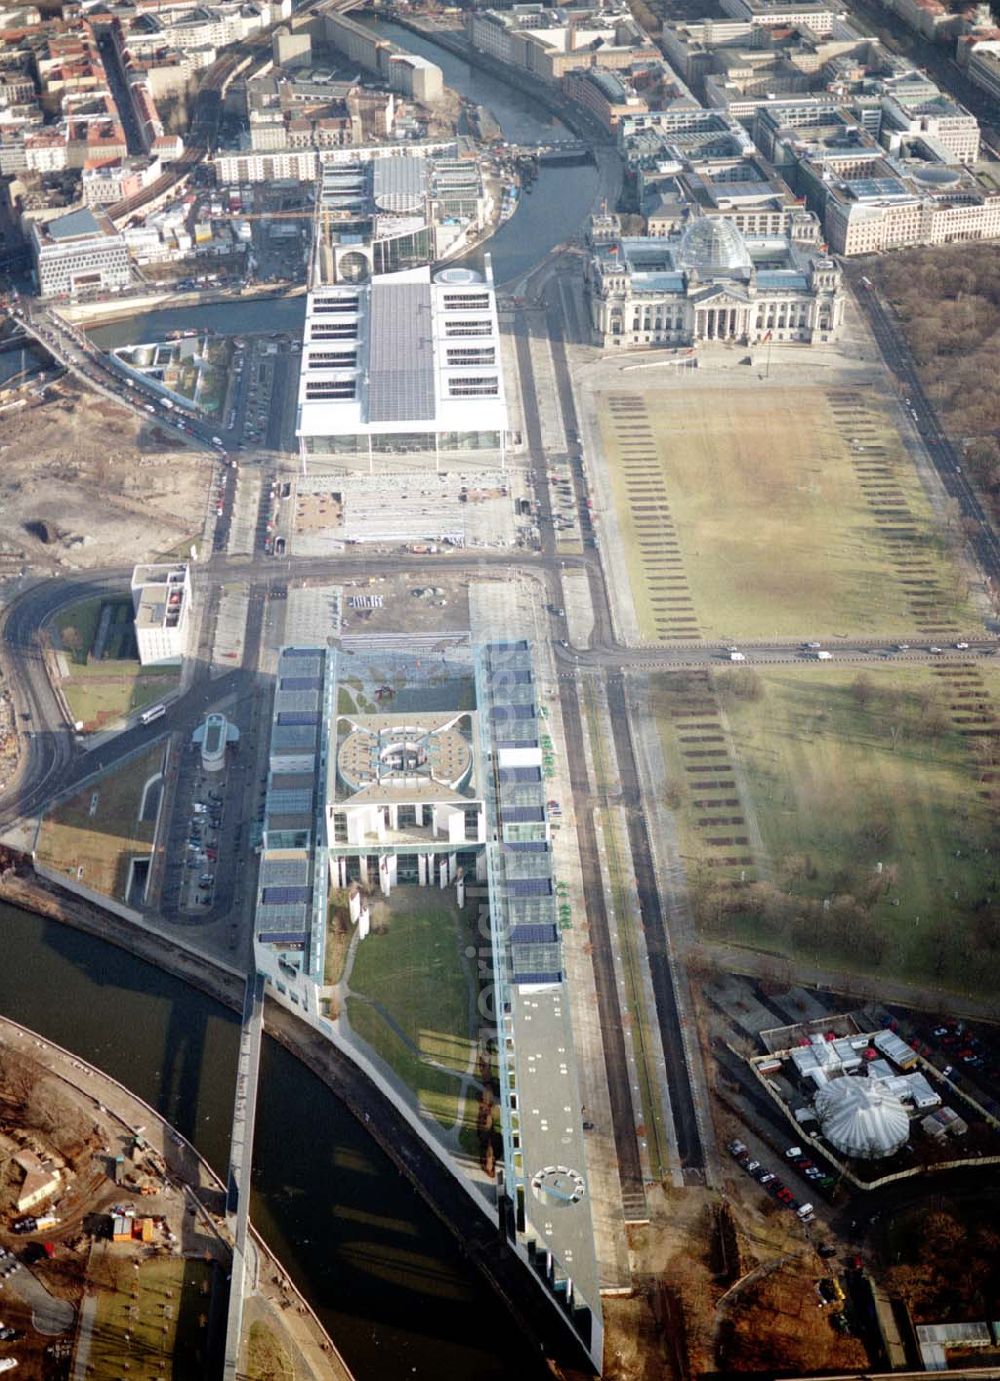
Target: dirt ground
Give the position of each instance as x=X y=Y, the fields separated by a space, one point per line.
x=405 y=612
x=777 y=1321
x=106 y=485
x=670 y=1316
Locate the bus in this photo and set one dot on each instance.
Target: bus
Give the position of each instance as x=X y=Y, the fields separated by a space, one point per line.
x=154 y=712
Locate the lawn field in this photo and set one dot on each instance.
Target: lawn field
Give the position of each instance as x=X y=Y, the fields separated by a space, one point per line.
x=101 y=690
x=411 y=997
x=99 y=695
x=93 y=835
x=154 y=1325
x=855 y=805
x=773 y=512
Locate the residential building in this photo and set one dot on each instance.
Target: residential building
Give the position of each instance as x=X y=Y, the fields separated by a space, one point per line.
x=984 y=68
x=299 y=165
x=919 y=108
x=107 y=184
x=78 y=252
x=608 y=96
x=161 y=603
x=405 y=73
x=891 y=205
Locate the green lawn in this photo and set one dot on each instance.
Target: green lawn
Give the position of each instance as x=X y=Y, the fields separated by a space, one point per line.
x=104 y=692
x=880 y=850
x=748 y=511
x=437 y=1092
x=159 y=1314
x=413 y=972
x=98 y=830
x=76 y=628
x=100 y=692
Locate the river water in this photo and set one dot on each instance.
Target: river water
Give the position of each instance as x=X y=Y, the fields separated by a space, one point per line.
x=376 y=1265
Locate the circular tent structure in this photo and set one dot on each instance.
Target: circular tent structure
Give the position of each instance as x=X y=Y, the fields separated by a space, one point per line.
x=713 y=245
x=860 y=1118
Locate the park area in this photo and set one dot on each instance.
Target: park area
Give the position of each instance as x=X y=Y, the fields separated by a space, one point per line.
x=772 y=511
x=150 y=1322
x=844 y=816
x=102 y=678
x=94 y=835
x=413 y=998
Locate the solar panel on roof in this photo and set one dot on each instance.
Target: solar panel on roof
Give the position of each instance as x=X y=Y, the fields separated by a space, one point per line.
x=519 y=774
x=553 y=976
x=272 y=896
x=298 y=717
x=301 y=652
x=401 y=354
x=516 y=815
x=292 y=683
x=507 y=711
x=529 y=887
x=534 y=935
x=526 y=846
x=296 y=938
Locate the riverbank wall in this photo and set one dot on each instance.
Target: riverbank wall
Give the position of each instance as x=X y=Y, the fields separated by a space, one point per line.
x=481 y=1240
x=121 y=309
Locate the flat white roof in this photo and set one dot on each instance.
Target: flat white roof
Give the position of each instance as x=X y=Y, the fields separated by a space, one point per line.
x=402 y=353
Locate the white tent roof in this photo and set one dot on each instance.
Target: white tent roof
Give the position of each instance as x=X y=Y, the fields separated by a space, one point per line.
x=861 y=1118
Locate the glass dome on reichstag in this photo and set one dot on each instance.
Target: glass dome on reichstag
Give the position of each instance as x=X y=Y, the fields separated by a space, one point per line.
x=713 y=245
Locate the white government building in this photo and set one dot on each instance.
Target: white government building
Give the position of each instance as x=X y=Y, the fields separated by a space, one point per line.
x=403 y=372
x=161 y=604
x=709 y=283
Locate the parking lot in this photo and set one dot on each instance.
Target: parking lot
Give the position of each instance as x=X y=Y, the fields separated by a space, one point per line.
x=198 y=888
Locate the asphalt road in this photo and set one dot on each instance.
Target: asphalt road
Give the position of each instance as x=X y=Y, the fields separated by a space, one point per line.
x=54 y=764
x=609 y=1008
x=682 y=1106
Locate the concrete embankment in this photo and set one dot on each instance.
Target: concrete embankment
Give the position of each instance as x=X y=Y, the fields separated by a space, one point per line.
x=106 y=313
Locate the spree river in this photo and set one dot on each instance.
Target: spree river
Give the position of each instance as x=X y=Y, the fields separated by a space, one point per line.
x=376 y=1265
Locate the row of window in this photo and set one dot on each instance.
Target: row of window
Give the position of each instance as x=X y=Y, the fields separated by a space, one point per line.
x=466 y=302
x=330 y=390
x=332 y=359
x=484 y=355
x=474 y=387
x=344 y=330
x=468 y=328
x=401 y=443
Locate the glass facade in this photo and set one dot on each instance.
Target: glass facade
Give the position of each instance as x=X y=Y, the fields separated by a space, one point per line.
x=401 y=443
